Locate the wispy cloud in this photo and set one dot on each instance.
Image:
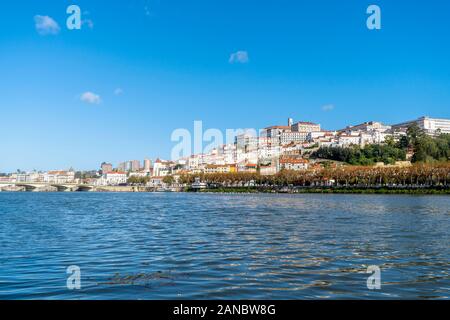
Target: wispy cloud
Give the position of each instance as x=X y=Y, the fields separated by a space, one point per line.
x=239 y=57
x=147 y=11
x=45 y=25
x=328 y=107
x=118 y=91
x=88 y=22
x=90 y=97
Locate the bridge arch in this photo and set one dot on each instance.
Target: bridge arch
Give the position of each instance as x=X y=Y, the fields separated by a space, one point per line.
x=85 y=188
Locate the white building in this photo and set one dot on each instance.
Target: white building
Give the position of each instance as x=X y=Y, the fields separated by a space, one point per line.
x=162 y=168
x=370 y=126
x=347 y=140
x=227 y=151
x=267 y=149
x=242 y=156
x=273 y=133
x=293 y=136
x=365 y=138
x=28 y=177
x=193 y=162
x=59 y=177
x=214 y=157
x=314 y=135
x=247 y=141
x=112 y=179
x=431 y=126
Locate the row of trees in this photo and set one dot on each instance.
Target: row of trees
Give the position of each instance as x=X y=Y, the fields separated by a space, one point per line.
x=137 y=180
x=416 y=175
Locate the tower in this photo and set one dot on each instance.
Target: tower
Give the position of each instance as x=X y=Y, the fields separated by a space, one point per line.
x=290 y=122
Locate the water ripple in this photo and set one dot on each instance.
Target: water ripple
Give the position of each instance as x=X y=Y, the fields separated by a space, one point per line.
x=198 y=246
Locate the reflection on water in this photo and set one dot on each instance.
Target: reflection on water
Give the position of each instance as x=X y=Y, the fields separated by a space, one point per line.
x=197 y=246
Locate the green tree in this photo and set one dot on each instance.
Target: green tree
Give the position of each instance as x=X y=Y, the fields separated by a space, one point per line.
x=136 y=180
x=390 y=141
x=168 y=180
x=414 y=134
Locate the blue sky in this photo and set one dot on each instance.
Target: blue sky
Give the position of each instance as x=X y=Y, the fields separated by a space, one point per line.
x=171 y=60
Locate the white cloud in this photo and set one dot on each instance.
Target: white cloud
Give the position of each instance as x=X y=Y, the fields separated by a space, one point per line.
x=46 y=25
x=239 y=57
x=118 y=91
x=90 y=97
x=328 y=107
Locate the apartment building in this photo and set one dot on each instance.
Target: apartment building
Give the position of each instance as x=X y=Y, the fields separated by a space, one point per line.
x=431 y=126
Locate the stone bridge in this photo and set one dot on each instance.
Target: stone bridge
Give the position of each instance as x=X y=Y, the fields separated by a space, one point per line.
x=40 y=186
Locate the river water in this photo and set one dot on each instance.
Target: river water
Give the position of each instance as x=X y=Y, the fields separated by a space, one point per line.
x=223 y=246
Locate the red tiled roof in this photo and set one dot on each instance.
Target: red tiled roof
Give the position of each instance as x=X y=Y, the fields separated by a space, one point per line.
x=251 y=165
x=58 y=172
x=278 y=127
x=308 y=123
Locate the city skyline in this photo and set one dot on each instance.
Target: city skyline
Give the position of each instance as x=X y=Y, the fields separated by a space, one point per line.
x=117 y=89
x=296 y=132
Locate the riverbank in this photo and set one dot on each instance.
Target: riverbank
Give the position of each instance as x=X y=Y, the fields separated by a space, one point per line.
x=442 y=190
x=330 y=190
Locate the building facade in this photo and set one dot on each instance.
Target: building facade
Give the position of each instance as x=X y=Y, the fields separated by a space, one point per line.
x=305 y=127
x=112 y=179
x=106 y=167
x=296 y=164
x=431 y=126
x=59 y=177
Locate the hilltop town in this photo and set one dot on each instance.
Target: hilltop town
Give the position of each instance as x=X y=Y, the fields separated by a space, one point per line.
x=296 y=146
